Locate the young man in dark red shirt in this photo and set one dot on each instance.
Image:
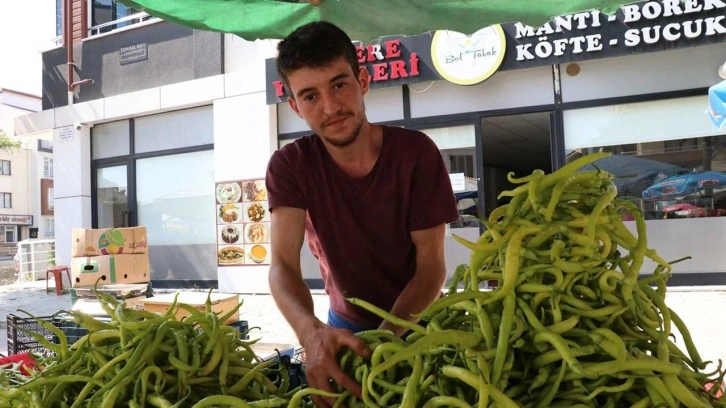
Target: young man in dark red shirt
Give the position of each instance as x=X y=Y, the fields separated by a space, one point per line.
x=373 y=202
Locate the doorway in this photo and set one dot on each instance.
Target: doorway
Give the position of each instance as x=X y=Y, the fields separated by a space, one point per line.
x=518 y=143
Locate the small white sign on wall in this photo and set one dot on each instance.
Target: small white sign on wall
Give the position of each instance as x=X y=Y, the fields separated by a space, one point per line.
x=458 y=182
x=65 y=134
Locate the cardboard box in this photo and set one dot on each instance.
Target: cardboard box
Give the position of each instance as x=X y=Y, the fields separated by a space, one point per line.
x=117 y=290
x=221 y=304
x=109 y=241
x=132 y=268
x=93 y=306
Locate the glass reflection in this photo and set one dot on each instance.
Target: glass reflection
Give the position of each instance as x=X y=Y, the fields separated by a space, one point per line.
x=112 y=205
x=175 y=201
x=671 y=178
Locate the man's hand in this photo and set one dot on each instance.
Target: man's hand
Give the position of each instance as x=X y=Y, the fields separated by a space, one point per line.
x=322 y=346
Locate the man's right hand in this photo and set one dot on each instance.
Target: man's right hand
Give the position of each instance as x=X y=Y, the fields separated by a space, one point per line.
x=322 y=346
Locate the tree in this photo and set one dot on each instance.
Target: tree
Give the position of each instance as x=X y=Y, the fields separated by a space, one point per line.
x=8 y=144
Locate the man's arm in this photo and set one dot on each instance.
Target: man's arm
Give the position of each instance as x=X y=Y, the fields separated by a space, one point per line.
x=292 y=296
x=428 y=280
x=287 y=286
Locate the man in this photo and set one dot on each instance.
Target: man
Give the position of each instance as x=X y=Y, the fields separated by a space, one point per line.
x=372 y=200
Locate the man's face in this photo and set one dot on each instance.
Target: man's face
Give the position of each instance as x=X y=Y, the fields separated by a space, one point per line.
x=330 y=100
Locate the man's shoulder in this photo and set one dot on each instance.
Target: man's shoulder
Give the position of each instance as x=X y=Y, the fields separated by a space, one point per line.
x=301 y=146
x=409 y=139
x=396 y=131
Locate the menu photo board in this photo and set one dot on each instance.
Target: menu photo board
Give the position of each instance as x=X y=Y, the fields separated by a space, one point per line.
x=243 y=223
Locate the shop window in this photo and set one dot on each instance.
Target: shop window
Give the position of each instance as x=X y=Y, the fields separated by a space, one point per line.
x=7 y=200
x=49 y=228
x=151 y=183
x=47 y=167
x=652 y=142
x=175 y=201
x=110 y=140
x=5 y=167
x=112 y=208
x=8 y=233
x=174 y=130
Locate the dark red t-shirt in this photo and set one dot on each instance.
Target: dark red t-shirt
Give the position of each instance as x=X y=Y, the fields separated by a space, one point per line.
x=359 y=229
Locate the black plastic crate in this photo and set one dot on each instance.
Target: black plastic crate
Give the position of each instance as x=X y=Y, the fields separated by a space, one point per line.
x=299 y=356
x=243 y=328
x=19 y=341
x=70 y=329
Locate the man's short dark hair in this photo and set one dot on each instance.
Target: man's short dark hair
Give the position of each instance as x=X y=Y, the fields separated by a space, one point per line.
x=315 y=45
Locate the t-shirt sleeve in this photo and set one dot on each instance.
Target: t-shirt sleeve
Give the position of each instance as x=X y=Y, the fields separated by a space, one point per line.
x=432 y=198
x=283 y=189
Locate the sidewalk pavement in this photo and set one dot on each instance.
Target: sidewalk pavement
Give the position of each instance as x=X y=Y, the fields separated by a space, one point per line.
x=703 y=309
x=260 y=312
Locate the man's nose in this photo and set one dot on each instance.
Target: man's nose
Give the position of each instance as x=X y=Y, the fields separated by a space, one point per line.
x=330 y=103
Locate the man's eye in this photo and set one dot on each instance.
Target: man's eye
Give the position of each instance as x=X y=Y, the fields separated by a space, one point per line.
x=309 y=98
x=339 y=85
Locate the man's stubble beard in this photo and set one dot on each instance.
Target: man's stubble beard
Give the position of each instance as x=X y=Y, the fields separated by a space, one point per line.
x=348 y=140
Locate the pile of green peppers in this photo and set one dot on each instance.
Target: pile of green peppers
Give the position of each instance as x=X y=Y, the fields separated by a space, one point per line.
x=571 y=322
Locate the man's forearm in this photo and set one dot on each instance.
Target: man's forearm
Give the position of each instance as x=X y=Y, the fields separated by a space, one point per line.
x=418 y=294
x=294 y=300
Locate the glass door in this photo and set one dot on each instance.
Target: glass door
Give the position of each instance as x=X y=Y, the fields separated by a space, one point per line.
x=112 y=197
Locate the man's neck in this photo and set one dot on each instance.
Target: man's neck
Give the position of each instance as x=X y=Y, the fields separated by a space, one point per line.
x=358 y=158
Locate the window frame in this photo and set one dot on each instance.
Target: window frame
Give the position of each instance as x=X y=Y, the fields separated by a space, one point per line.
x=48 y=167
x=45 y=145
x=8 y=229
x=115 y=23
x=5 y=198
x=2 y=168
x=49 y=230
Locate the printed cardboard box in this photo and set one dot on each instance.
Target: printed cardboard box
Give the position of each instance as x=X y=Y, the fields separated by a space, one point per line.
x=131 y=268
x=109 y=241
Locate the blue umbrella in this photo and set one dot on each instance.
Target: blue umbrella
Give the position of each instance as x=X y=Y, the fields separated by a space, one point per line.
x=717 y=103
x=685 y=184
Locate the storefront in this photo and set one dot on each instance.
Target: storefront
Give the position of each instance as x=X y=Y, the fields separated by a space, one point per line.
x=635 y=84
x=13 y=226
x=540 y=97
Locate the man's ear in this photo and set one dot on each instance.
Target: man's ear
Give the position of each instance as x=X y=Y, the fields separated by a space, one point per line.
x=364 y=79
x=293 y=105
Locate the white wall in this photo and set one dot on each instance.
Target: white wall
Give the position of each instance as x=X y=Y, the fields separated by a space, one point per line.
x=506 y=89
x=700 y=238
x=18 y=183
x=241 y=55
x=8 y=113
x=72 y=186
x=685 y=68
x=245 y=135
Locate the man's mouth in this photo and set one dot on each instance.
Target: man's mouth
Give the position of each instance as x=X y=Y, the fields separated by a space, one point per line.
x=335 y=122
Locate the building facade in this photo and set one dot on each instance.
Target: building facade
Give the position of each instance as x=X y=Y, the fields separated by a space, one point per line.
x=26 y=176
x=153 y=116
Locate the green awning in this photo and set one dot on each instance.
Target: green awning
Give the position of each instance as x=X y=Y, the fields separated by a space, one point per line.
x=363 y=20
